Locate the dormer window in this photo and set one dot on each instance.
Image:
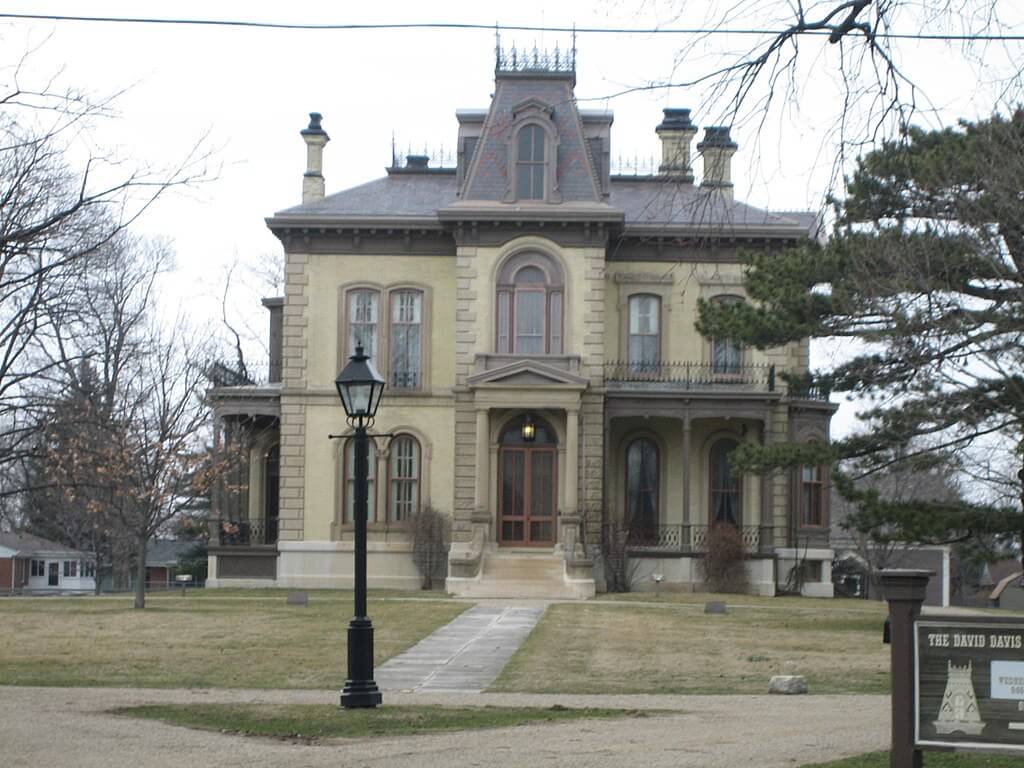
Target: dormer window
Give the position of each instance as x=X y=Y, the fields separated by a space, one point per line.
x=530 y=163
x=532 y=150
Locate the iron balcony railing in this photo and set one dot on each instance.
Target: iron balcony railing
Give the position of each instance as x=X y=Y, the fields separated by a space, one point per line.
x=247 y=533
x=683 y=538
x=684 y=375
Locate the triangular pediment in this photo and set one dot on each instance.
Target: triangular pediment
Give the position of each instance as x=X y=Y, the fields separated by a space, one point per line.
x=527 y=373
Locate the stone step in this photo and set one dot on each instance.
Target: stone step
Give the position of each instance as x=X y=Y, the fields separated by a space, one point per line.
x=546 y=568
x=512 y=588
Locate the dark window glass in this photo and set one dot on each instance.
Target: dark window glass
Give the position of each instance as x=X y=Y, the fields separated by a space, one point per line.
x=810 y=495
x=725 y=486
x=530 y=163
x=642 y=487
x=404 y=471
x=644 y=333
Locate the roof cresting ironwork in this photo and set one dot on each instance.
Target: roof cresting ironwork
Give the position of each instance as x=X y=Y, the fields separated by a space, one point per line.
x=533 y=59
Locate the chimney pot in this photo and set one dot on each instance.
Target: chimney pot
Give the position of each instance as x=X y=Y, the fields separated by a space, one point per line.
x=676 y=131
x=417 y=161
x=315 y=137
x=717 y=149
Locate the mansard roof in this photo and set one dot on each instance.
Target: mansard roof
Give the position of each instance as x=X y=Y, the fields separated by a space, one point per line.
x=645 y=202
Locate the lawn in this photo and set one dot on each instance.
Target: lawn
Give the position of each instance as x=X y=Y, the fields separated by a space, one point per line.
x=930 y=760
x=669 y=645
x=206 y=639
x=322 y=721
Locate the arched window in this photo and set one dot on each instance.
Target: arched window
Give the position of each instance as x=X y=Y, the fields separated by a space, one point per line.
x=642 y=487
x=403 y=478
x=530 y=163
x=529 y=316
x=811 y=494
x=725 y=486
x=644 y=332
x=726 y=354
x=406 y=339
x=363 y=319
x=348 y=513
x=271 y=493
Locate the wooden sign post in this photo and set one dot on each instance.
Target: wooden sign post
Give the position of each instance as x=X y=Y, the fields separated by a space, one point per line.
x=904 y=590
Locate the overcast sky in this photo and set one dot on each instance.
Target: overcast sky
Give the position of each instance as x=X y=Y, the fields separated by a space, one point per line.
x=249 y=91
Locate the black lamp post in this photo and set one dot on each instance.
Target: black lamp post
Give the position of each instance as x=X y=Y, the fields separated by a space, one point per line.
x=360 y=387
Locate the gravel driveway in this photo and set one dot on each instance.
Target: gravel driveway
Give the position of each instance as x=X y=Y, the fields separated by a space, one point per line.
x=69 y=726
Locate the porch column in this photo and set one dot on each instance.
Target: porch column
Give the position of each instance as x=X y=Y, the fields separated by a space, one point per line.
x=572 y=460
x=767 y=533
x=686 y=467
x=483 y=464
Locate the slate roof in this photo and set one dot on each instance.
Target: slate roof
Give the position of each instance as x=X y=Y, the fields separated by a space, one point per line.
x=25 y=544
x=646 y=202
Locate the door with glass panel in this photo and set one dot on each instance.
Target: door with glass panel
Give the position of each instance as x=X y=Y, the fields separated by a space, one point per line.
x=527 y=486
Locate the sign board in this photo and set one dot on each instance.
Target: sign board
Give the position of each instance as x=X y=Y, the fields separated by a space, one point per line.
x=185 y=577
x=969 y=684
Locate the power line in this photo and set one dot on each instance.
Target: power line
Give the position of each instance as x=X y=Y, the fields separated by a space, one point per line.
x=510 y=28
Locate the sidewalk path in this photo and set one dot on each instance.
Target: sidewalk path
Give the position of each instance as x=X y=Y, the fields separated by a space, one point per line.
x=72 y=726
x=462 y=656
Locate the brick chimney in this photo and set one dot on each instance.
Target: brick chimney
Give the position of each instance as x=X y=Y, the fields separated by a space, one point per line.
x=676 y=132
x=315 y=138
x=717 y=150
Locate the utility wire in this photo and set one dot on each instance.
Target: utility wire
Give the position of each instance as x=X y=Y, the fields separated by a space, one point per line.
x=510 y=28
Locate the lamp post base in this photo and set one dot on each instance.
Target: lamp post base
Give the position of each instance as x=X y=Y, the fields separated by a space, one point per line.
x=360 y=689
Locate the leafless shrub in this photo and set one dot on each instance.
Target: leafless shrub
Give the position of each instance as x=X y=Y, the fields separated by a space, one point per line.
x=430 y=531
x=723 y=567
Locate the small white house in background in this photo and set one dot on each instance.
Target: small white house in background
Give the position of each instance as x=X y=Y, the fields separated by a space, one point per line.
x=32 y=564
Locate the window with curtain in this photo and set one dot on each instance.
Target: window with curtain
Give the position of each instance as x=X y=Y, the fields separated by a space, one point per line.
x=406 y=339
x=363 y=319
x=726 y=354
x=644 y=333
x=530 y=163
x=725 y=486
x=348 y=513
x=530 y=314
x=404 y=478
x=811 y=490
x=642 y=486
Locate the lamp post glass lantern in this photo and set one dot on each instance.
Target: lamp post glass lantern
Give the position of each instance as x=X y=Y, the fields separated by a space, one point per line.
x=360 y=387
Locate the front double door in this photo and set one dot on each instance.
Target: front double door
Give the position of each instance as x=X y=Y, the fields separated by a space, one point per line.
x=528 y=485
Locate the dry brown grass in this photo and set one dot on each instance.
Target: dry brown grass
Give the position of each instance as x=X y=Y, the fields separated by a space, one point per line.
x=674 y=647
x=206 y=639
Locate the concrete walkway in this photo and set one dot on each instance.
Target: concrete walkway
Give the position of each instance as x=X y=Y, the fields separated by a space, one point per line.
x=73 y=726
x=464 y=656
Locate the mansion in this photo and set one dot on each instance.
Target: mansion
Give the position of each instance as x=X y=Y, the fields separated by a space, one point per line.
x=534 y=317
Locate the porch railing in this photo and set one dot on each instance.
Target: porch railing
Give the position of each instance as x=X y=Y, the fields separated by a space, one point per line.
x=684 y=375
x=684 y=539
x=247 y=533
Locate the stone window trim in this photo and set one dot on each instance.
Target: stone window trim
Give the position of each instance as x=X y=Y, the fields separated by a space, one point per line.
x=506 y=295
x=735 y=354
x=661 y=455
x=534 y=112
x=631 y=285
x=824 y=484
x=340 y=522
x=659 y=319
x=382 y=360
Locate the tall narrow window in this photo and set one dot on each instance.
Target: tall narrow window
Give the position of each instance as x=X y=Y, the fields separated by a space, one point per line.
x=811 y=488
x=350 y=482
x=406 y=339
x=642 y=488
x=529 y=312
x=362 y=321
x=726 y=354
x=725 y=486
x=644 y=333
x=530 y=163
x=404 y=477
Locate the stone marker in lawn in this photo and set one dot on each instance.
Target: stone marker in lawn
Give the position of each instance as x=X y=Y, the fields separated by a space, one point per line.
x=788 y=684
x=714 y=606
x=298 y=598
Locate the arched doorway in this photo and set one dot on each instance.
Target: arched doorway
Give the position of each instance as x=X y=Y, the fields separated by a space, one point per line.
x=527 y=483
